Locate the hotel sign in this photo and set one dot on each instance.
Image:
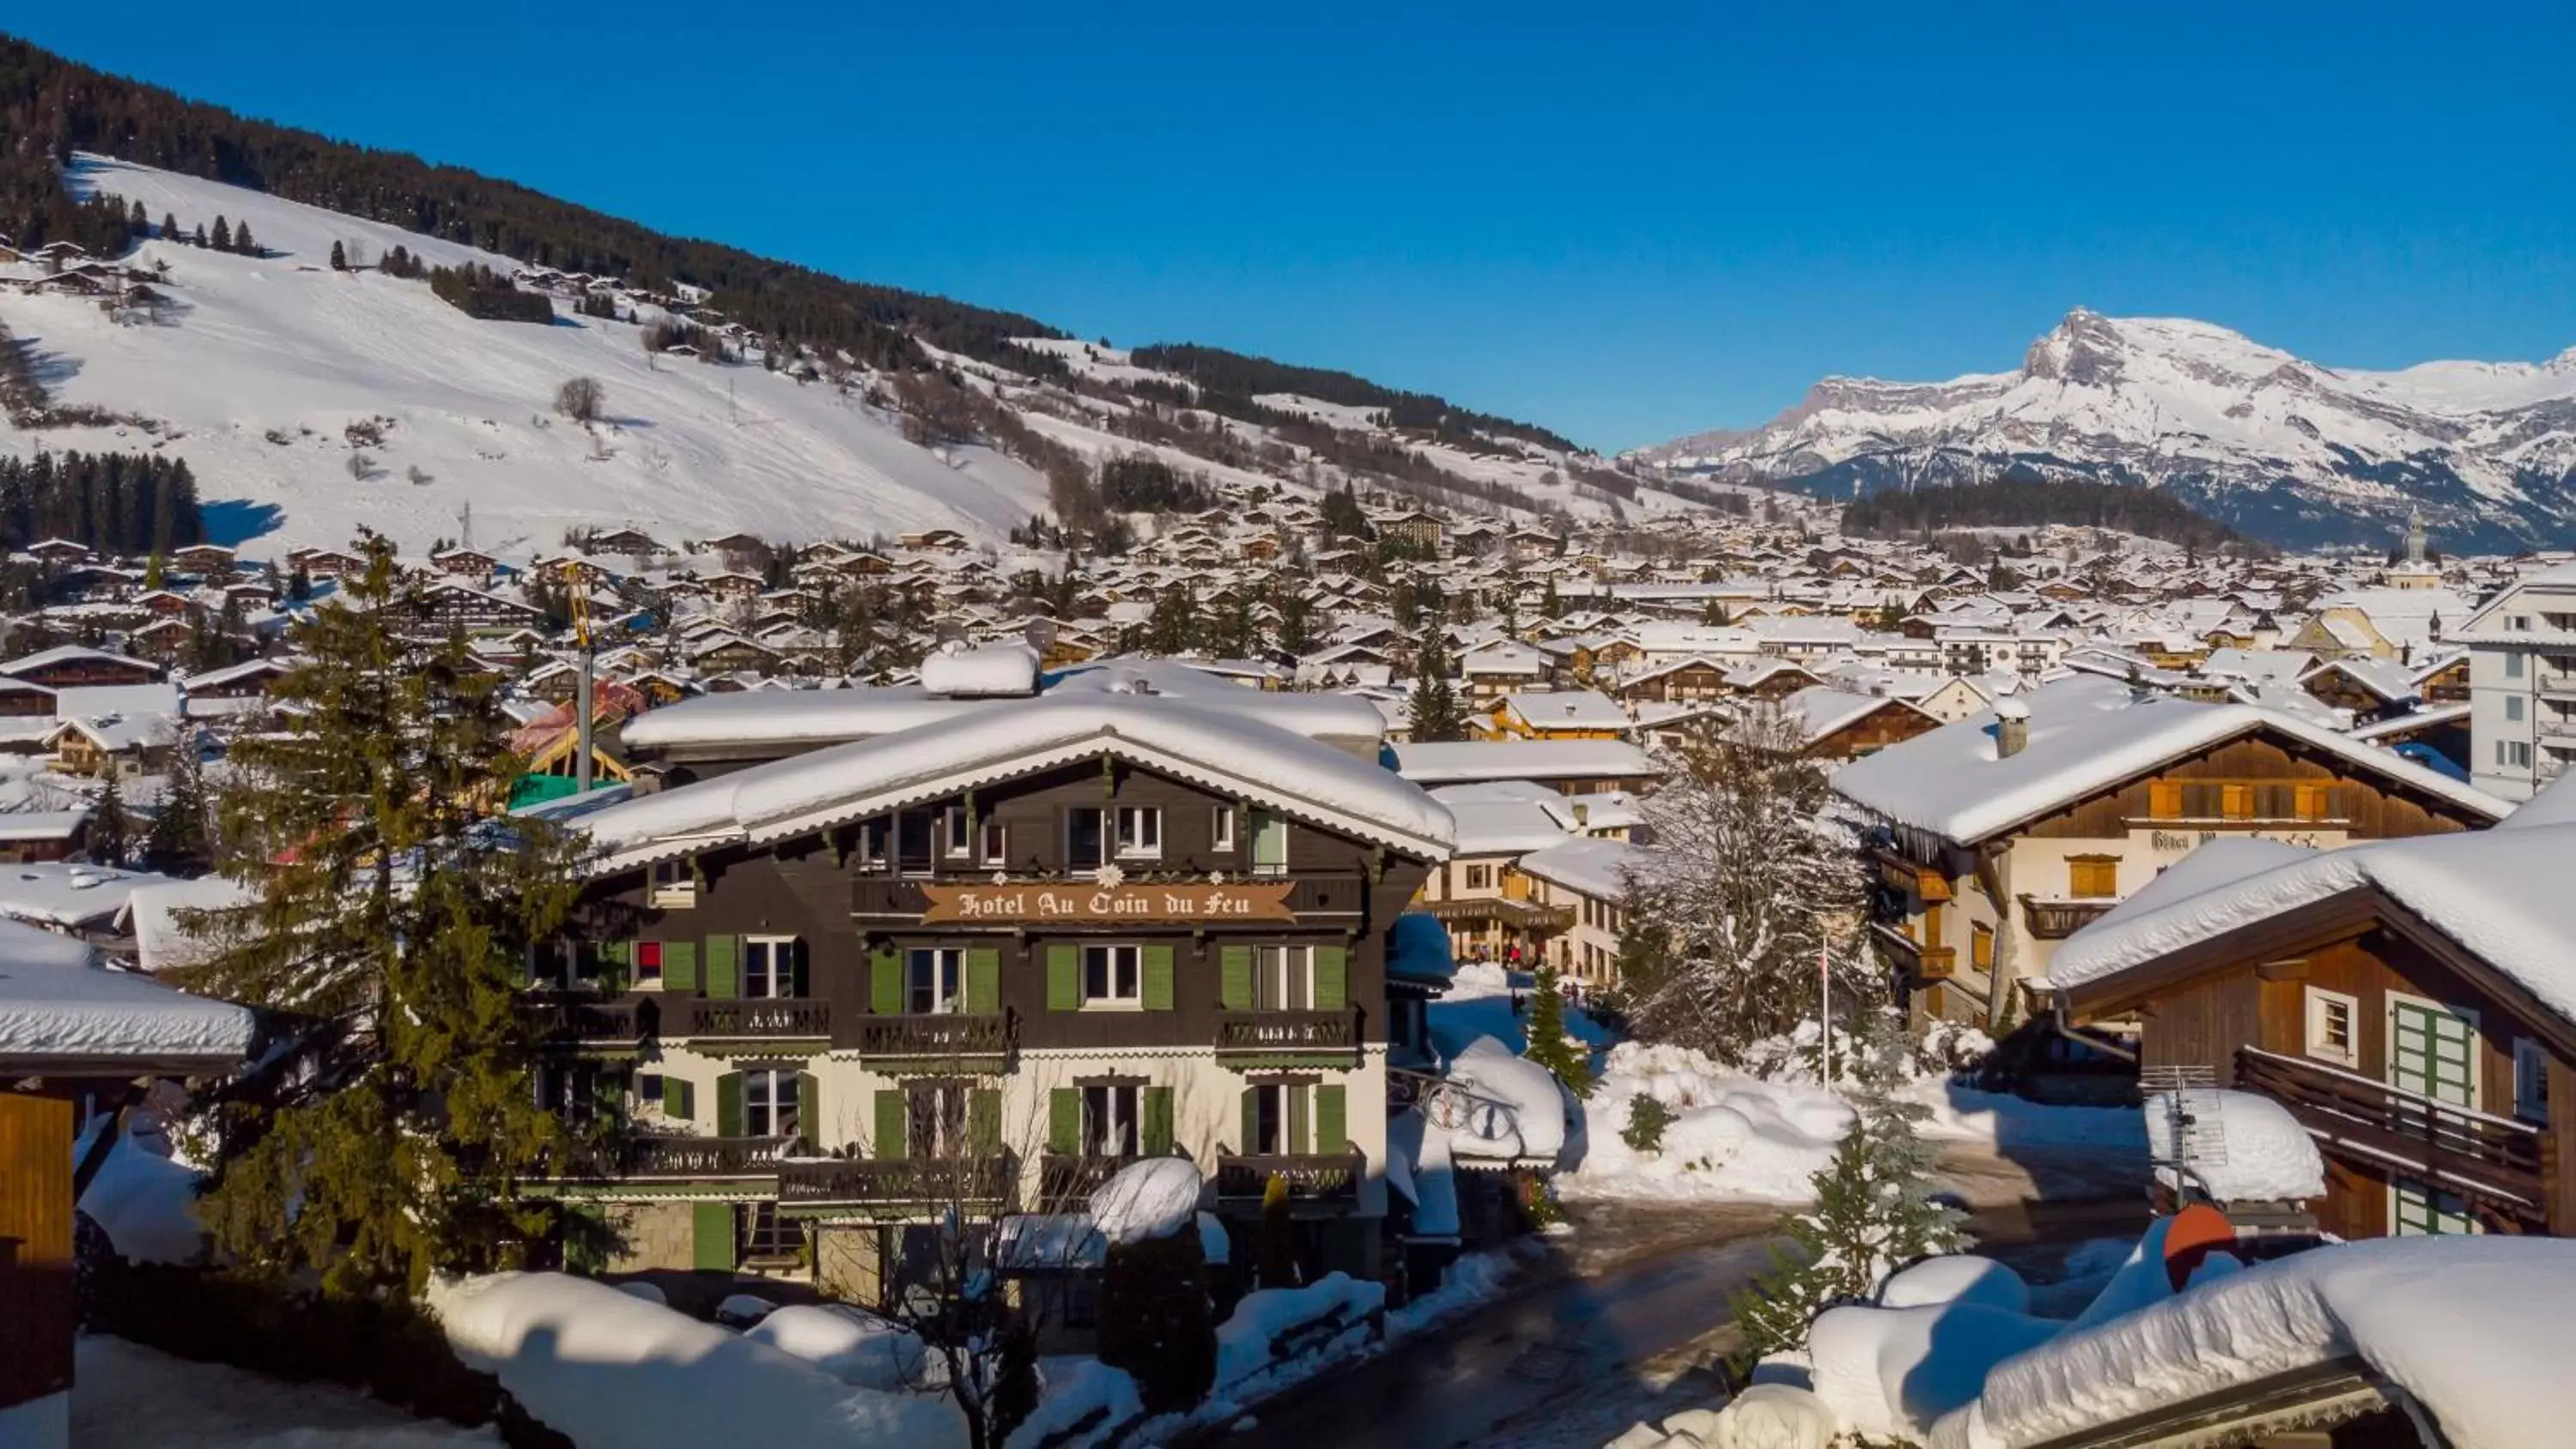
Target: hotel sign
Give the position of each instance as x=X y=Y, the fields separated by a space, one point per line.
x=1026 y=904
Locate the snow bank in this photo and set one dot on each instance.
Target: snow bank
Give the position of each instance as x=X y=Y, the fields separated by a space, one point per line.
x=2471 y=1327
x=1153 y=1197
x=1079 y=1390
x=1733 y=1137
x=608 y=1368
x=1956 y=1278
x=1518 y=1111
x=859 y=1349
x=2268 y=1156
x=146 y=1203
x=1249 y=1342
x=1892 y=1372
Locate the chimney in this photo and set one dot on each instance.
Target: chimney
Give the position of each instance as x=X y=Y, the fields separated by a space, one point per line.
x=2012 y=727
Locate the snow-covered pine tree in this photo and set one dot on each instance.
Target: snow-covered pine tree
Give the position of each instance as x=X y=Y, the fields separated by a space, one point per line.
x=110 y=831
x=177 y=837
x=1749 y=882
x=1874 y=1209
x=391 y=914
x=1549 y=1046
x=1435 y=712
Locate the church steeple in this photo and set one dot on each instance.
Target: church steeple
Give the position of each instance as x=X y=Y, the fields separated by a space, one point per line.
x=2415 y=538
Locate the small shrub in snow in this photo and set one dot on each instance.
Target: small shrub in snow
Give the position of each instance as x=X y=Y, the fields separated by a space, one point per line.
x=1549 y=1046
x=1647 y=1119
x=1155 y=1321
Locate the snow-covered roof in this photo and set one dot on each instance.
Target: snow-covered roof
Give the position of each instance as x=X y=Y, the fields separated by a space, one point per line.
x=2470 y=1327
x=1229 y=752
x=1597 y=868
x=2500 y=894
x=2266 y=1156
x=1458 y=762
x=1569 y=709
x=2087 y=734
x=68 y=895
x=58 y=1006
x=1488 y=826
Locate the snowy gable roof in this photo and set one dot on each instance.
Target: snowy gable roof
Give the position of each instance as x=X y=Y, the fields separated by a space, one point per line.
x=1462 y=761
x=60 y=1009
x=2088 y=734
x=1223 y=751
x=2498 y=894
x=1598 y=868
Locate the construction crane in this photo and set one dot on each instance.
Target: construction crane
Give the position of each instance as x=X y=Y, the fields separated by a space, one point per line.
x=579 y=594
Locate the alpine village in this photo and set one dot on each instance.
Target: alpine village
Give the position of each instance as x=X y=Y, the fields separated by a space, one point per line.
x=1051 y=895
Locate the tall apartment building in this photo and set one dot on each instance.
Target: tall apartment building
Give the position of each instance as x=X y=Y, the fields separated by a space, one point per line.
x=994 y=944
x=2522 y=684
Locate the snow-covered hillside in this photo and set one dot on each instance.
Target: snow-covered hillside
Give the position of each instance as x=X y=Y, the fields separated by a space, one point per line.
x=257 y=368
x=2279 y=445
x=262 y=364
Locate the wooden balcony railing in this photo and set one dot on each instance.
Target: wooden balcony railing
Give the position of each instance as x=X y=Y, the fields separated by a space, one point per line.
x=1900 y=873
x=579 y=1018
x=894 y=1182
x=778 y=1018
x=937 y=1037
x=2057 y=920
x=654 y=1157
x=1314 y=1181
x=1303 y=1032
x=2481 y=1155
x=1068 y=1180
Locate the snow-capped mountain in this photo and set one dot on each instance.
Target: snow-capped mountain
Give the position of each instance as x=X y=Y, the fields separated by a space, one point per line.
x=309 y=400
x=2279 y=446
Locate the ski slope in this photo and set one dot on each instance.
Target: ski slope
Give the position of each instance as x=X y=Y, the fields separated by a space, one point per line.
x=283 y=346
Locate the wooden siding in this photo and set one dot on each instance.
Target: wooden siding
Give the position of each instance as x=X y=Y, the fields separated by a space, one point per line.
x=36 y=1295
x=2368 y=808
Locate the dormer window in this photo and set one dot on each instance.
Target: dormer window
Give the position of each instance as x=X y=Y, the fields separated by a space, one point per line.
x=675 y=885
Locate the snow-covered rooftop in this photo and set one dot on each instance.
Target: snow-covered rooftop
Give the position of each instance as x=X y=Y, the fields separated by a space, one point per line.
x=1460 y=762
x=58 y=1005
x=2087 y=734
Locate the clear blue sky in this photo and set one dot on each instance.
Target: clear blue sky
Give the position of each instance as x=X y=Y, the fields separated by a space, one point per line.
x=1625 y=221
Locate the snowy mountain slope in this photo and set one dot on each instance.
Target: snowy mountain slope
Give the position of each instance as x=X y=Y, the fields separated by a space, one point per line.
x=263 y=364
x=2275 y=444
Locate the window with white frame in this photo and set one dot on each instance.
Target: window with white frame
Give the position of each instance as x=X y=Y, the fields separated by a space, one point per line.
x=2513 y=666
x=648 y=964
x=956 y=833
x=938 y=1119
x=997 y=843
x=1270 y=1120
x=1109 y=1120
x=1269 y=843
x=769 y=1102
x=675 y=885
x=769 y=965
x=2333 y=1027
x=935 y=982
x=2530 y=1080
x=2513 y=707
x=1480 y=877
x=1221 y=833
x=1283 y=978
x=1140 y=832
x=1113 y=976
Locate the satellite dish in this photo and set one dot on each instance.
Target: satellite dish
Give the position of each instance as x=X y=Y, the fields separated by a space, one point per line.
x=1040 y=634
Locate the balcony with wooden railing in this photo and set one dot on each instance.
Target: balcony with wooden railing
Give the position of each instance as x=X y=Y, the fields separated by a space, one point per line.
x=929 y=1040
x=1900 y=873
x=752 y=1019
x=586 y=1019
x=1924 y=963
x=895 y=1186
x=1318 y=1184
x=2057 y=919
x=654 y=1157
x=2498 y=1162
x=1262 y=1034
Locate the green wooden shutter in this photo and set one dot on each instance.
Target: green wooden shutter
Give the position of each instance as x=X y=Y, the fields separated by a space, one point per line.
x=885 y=982
x=711 y=1236
x=724 y=966
x=809 y=1108
x=1251 y=1121
x=1064 y=978
x=1158 y=978
x=1064 y=1121
x=729 y=1105
x=984 y=981
x=1157 y=1112
x=610 y=968
x=893 y=1116
x=1332 y=978
x=1234 y=977
x=680 y=967
x=1332 y=1131
x=1299 y=1143
x=984 y=1121
x=679 y=1101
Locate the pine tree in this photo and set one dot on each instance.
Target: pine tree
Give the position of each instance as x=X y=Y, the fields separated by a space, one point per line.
x=201 y=234
x=1874 y=1209
x=392 y=917
x=110 y=832
x=1549 y=1046
x=169 y=226
x=339 y=257
x=1549 y=603
x=1296 y=622
x=223 y=235
x=177 y=837
x=1435 y=711
x=1155 y=1322
x=242 y=242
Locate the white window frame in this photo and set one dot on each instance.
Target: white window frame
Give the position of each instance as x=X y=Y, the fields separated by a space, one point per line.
x=950 y=1109
x=2320 y=1002
x=1132 y=824
x=993 y=842
x=671 y=885
x=1112 y=1113
x=781 y=983
x=2512 y=665
x=1275 y=1093
x=1221 y=835
x=1132 y=958
x=772 y=1103
x=948 y=962
x=1274 y=821
x=640 y=976
x=2531 y=1080
x=956 y=841
x=2513 y=709
x=1285 y=976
